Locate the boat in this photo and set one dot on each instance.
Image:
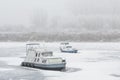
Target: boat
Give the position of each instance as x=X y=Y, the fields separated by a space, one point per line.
x=37 y=57
x=67 y=48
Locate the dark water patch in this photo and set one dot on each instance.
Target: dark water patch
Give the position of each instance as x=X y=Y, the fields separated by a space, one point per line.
x=115 y=75
x=70 y=69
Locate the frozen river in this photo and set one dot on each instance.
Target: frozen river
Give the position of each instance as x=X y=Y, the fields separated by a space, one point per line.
x=95 y=61
x=18 y=73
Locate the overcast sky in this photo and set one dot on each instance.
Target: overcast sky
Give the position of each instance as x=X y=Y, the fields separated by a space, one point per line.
x=18 y=12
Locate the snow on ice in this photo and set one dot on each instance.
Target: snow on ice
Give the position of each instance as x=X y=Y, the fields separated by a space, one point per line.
x=94 y=61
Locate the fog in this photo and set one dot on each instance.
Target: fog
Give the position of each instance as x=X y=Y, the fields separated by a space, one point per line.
x=21 y=11
x=56 y=16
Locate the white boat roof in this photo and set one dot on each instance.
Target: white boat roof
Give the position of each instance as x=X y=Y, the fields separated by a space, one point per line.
x=49 y=57
x=42 y=50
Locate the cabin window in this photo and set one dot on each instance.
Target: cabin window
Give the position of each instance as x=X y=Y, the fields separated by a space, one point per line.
x=44 y=61
x=68 y=46
x=39 y=55
x=38 y=60
x=47 y=54
x=36 y=55
x=55 y=60
x=35 y=60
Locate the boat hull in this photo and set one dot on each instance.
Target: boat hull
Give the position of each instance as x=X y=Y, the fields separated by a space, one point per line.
x=45 y=66
x=74 y=51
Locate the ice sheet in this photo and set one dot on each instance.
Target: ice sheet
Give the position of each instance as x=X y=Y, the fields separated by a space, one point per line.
x=95 y=61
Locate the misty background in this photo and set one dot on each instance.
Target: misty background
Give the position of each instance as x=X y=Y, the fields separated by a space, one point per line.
x=59 y=20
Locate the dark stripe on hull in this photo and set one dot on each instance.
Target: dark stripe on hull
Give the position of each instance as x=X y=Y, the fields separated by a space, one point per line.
x=75 y=51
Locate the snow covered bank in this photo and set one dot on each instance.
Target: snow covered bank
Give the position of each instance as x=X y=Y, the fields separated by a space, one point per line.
x=6 y=69
x=12 y=44
x=11 y=60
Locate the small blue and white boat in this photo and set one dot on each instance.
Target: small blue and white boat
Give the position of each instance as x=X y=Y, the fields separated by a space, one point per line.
x=65 y=47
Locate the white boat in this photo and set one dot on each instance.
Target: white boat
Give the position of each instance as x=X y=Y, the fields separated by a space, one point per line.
x=41 y=58
x=65 y=47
